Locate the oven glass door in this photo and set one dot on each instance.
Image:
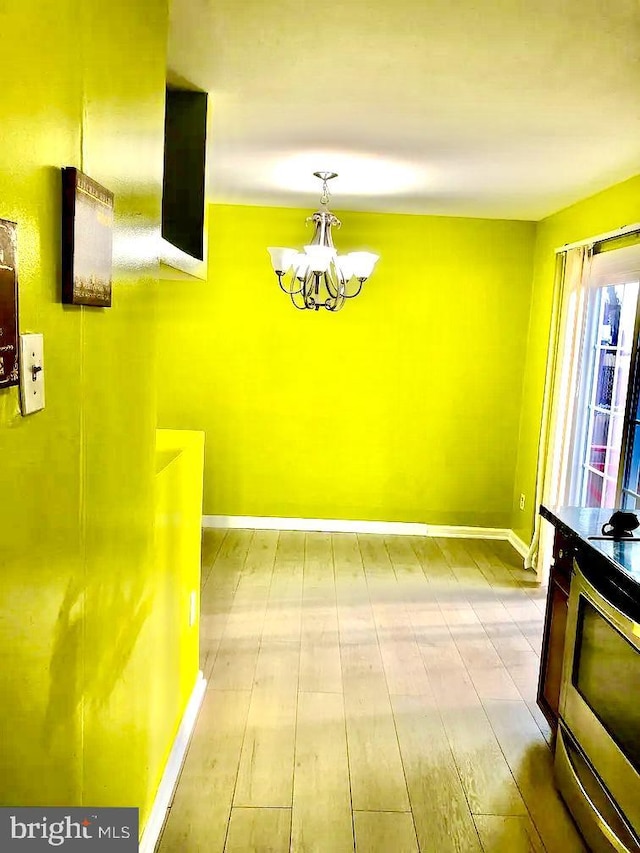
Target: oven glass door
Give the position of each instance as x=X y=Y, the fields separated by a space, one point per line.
x=606 y=673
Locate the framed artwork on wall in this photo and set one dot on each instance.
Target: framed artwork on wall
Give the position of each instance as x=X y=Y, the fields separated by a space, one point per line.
x=8 y=305
x=87 y=240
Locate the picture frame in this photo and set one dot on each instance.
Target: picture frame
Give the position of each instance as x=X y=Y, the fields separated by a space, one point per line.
x=9 y=351
x=87 y=240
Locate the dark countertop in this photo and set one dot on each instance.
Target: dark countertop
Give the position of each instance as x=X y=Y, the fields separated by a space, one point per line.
x=616 y=560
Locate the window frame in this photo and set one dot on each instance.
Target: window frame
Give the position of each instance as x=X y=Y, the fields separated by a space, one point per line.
x=630 y=418
x=580 y=444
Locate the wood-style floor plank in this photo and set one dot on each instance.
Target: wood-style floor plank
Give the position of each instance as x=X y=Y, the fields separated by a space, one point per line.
x=232 y=553
x=321 y=794
x=464 y=567
x=235 y=663
x=377 y=776
x=499 y=834
x=438 y=649
x=253 y=830
x=403 y=664
x=212 y=539
x=494 y=682
x=377 y=832
x=361 y=661
x=199 y=813
x=320 y=666
x=375 y=766
x=507 y=638
x=282 y=622
x=261 y=554
x=475 y=647
x=541 y=722
x=265 y=773
x=485 y=775
x=434 y=563
x=347 y=562
x=404 y=560
x=531 y=763
x=218 y=590
x=440 y=810
x=279 y=653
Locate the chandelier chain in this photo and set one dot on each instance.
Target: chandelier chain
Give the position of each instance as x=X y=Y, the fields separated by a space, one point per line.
x=326 y=195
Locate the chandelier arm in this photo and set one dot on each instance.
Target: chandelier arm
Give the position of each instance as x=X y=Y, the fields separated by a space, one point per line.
x=337 y=305
x=336 y=301
x=314 y=291
x=329 y=285
x=286 y=289
x=307 y=291
x=302 y=307
x=351 y=295
x=330 y=301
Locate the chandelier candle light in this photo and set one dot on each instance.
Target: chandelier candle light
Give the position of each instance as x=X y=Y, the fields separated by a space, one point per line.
x=319 y=276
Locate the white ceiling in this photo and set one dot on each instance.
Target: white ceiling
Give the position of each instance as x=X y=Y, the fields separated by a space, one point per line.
x=498 y=108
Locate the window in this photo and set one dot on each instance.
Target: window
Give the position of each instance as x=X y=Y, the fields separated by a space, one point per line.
x=608 y=417
x=631 y=477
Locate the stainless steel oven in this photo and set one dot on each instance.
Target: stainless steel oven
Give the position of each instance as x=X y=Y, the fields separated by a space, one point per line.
x=597 y=761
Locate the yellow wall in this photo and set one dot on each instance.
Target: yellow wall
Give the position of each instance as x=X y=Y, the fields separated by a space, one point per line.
x=404 y=406
x=606 y=211
x=178 y=533
x=84 y=86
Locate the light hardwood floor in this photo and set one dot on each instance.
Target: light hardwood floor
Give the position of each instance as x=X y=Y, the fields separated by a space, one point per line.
x=370 y=694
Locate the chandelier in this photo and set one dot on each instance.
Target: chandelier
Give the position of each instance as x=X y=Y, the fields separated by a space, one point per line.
x=319 y=276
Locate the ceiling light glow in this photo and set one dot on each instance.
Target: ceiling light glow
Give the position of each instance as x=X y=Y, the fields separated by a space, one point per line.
x=360 y=174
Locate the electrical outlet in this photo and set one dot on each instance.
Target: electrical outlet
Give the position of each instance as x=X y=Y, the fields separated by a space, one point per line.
x=521 y=501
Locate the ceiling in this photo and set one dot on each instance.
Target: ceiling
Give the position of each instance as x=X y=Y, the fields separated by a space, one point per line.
x=496 y=108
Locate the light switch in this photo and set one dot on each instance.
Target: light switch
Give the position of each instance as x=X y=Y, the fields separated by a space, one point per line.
x=31 y=373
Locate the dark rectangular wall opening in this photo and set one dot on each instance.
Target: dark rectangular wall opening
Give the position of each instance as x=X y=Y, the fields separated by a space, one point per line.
x=184 y=171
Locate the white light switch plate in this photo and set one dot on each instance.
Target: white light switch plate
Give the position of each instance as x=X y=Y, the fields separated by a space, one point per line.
x=31 y=373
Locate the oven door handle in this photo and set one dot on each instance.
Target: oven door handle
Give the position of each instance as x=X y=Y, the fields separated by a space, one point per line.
x=622 y=622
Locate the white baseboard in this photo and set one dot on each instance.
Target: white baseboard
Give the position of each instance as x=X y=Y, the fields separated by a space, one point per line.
x=521 y=547
x=447 y=531
x=172 y=769
x=323 y=525
x=336 y=525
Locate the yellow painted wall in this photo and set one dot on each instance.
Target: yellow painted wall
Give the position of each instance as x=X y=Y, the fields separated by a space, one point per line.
x=83 y=85
x=178 y=534
x=606 y=211
x=402 y=407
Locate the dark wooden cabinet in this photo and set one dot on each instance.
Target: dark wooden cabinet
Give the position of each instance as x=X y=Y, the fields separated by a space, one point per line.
x=550 y=680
